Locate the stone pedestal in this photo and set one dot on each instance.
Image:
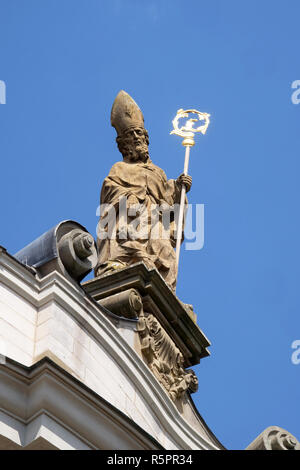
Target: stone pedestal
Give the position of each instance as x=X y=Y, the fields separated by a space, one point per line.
x=170 y=339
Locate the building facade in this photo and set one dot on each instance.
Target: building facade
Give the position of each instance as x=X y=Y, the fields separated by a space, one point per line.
x=102 y=364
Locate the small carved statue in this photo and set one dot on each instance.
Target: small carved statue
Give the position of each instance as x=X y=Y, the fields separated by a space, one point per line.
x=147 y=193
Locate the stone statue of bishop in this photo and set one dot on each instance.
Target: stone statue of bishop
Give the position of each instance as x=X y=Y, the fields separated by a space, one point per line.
x=147 y=192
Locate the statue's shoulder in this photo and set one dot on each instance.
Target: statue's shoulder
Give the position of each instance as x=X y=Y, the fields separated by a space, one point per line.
x=119 y=164
x=158 y=170
x=117 y=167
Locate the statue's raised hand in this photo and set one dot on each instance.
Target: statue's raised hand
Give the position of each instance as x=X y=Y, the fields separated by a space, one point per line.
x=186 y=180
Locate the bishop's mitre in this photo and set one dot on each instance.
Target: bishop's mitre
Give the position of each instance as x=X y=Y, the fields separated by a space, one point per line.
x=125 y=113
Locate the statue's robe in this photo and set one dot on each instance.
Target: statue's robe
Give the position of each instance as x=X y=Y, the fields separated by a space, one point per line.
x=149 y=184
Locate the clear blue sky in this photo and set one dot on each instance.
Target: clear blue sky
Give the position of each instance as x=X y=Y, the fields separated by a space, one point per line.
x=63 y=62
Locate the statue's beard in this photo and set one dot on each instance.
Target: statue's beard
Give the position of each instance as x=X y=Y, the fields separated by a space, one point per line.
x=138 y=152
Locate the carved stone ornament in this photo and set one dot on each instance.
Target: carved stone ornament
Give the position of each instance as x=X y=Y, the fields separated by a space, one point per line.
x=164 y=359
x=275 y=438
x=67 y=248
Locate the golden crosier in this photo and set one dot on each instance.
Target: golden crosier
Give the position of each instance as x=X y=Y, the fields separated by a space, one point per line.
x=188 y=131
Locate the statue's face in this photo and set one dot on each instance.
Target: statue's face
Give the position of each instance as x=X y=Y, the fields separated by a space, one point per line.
x=134 y=146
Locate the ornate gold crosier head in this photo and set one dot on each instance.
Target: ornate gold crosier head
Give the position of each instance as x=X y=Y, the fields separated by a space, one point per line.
x=187 y=131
